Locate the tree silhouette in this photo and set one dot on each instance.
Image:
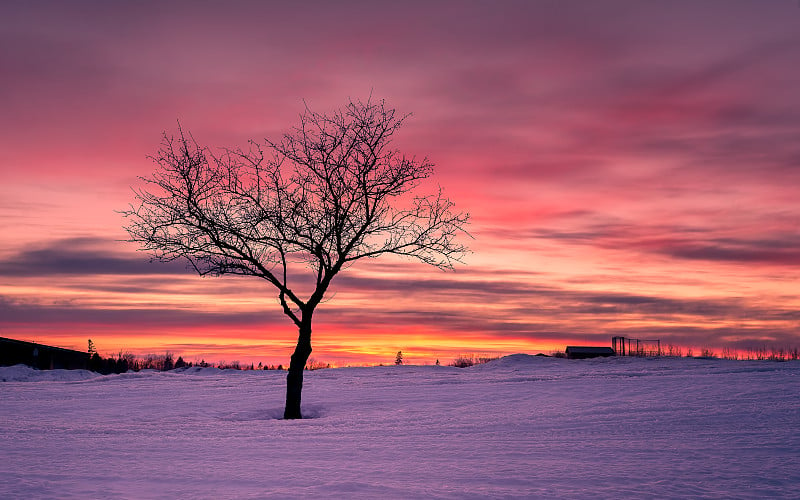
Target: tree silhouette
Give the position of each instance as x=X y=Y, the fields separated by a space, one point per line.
x=330 y=192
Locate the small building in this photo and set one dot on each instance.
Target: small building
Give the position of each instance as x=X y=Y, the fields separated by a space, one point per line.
x=584 y=352
x=43 y=357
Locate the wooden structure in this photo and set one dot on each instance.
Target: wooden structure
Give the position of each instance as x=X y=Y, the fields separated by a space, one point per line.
x=624 y=346
x=584 y=352
x=43 y=357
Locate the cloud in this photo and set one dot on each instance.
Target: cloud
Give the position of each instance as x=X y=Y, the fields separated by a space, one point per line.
x=84 y=256
x=770 y=252
x=76 y=316
x=769 y=247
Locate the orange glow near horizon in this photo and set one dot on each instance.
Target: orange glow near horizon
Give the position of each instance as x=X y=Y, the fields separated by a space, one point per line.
x=341 y=350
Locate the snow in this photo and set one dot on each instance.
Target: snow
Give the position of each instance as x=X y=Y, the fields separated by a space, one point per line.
x=517 y=427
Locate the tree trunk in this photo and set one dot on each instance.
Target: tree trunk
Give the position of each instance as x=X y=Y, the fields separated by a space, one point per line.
x=294 y=380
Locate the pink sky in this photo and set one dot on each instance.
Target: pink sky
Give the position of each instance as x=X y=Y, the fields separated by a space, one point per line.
x=631 y=168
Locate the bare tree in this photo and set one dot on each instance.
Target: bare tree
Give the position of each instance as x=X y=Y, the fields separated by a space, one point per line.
x=331 y=192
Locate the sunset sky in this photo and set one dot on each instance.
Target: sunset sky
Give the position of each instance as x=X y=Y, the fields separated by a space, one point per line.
x=630 y=167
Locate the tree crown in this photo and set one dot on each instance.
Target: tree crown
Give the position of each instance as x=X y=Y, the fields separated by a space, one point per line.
x=330 y=192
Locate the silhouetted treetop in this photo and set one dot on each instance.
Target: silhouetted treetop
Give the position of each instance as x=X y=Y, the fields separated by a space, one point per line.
x=327 y=194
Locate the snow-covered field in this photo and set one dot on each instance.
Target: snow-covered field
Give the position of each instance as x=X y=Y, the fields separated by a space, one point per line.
x=518 y=427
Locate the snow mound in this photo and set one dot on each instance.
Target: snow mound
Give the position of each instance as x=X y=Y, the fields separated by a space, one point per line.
x=515 y=362
x=199 y=370
x=24 y=373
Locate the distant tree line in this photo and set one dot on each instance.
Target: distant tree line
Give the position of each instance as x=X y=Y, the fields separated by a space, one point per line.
x=753 y=354
x=125 y=361
x=757 y=354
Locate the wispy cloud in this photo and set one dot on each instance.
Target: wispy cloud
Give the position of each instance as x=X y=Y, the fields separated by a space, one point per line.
x=81 y=256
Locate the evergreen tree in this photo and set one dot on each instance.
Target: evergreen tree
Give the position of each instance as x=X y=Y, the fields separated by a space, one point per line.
x=96 y=363
x=168 y=363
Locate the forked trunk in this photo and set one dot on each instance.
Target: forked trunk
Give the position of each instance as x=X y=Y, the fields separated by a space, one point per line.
x=294 y=380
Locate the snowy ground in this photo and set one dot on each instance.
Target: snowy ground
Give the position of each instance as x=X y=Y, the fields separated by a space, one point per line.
x=520 y=426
